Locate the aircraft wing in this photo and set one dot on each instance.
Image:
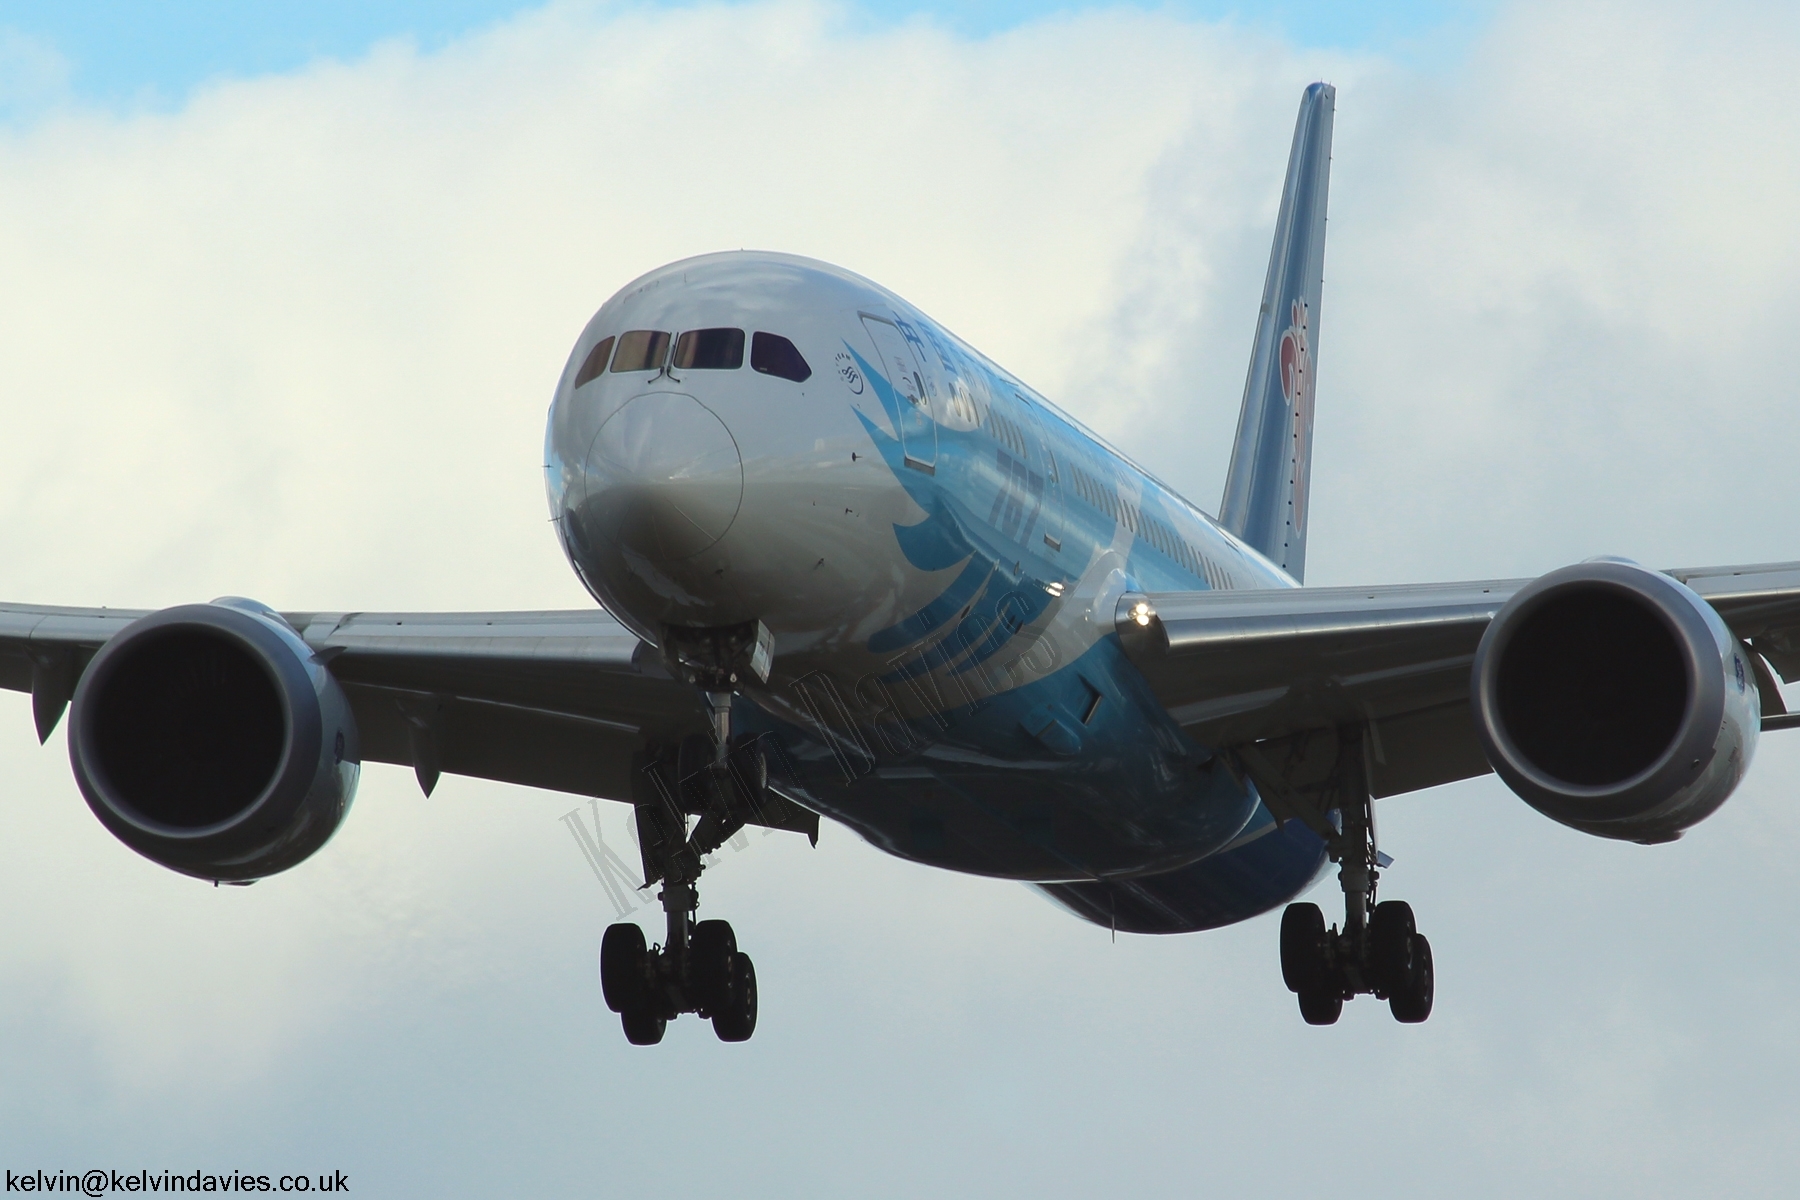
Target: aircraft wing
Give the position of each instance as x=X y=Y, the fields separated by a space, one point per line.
x=557 y=700
x=1262 y=671
x=562 y=700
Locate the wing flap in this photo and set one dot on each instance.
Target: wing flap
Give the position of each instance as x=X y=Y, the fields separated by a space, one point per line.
x=1424 y=748
x=559 y=700
x=577 y=663
x=535 y=747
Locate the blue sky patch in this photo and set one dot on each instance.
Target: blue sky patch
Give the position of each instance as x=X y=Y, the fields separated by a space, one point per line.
x=152 y=56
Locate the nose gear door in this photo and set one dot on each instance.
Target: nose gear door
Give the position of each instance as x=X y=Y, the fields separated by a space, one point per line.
x=912 y=393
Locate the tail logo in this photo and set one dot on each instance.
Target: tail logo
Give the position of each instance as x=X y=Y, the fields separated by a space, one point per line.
x=1297 y=390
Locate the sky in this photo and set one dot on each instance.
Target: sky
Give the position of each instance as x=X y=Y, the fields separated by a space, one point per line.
x=127 y=56
x=285 y=302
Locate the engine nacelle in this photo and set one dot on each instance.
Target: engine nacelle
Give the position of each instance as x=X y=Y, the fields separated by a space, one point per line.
x=1615 y=700
x=209 y=739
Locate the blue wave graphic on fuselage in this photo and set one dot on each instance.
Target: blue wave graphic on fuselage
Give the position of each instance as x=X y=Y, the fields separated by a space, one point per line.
x=1036 y=769
x=986 y=616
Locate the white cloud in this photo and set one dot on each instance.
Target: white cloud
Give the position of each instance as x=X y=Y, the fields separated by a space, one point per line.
x=296 y=339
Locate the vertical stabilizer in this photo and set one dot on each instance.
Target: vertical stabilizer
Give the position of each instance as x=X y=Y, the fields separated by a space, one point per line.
x=1266 y=488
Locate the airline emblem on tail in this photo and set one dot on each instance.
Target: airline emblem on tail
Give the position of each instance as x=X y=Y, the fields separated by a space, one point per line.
x=1297 y=390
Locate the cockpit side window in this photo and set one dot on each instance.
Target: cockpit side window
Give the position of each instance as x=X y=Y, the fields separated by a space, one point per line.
x=773 y=354
x=594 y=363
x=710 y=350
x=641 y=350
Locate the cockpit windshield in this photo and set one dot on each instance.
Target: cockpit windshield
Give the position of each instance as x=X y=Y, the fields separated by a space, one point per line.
x=641 y=350
x=696 y=350
x=710 y=350
x=773 y=354
x=594 y=363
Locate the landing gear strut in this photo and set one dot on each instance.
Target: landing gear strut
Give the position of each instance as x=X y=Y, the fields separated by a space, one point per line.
x=698 y=968
x=1379 y=951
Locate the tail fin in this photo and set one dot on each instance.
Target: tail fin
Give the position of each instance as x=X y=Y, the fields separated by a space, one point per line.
x=1266 y=488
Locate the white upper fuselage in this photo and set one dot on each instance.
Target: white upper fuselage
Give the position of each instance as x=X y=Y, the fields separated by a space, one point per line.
x=783 y=510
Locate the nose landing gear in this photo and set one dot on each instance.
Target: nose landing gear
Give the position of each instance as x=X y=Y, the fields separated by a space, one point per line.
x=698 y=968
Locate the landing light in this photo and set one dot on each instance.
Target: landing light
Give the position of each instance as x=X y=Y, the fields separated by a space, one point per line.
x=1055 y=589
x=1141 y=613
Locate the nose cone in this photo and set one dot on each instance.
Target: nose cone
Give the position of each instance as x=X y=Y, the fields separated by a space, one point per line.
x=664 y=478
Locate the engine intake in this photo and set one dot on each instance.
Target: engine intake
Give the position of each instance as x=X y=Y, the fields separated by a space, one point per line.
x=1613 y=699
x=208 y=739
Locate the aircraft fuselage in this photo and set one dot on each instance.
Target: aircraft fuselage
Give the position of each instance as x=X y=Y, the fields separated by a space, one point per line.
x=936 y=549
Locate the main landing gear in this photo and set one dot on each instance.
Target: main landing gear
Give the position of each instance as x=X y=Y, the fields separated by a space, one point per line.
x=1321 y=777
x=1378 y=952
x=698 y=968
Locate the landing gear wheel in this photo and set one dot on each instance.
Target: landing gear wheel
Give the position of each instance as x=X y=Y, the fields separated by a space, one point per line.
x=642 y=1026
x=1413 y=1003
x=1304 y=965
x=1321 y=1005
x=1391 y=935
x=622 y=957
x=737 y=1021
x=712 y=955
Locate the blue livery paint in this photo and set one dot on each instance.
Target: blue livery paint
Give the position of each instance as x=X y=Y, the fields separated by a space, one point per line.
x=1020 y=765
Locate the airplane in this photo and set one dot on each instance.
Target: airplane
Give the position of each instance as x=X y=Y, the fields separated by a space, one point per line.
x=848 y=567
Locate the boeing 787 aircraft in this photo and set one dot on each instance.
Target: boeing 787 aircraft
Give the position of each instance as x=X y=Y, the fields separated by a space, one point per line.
x=849 y=567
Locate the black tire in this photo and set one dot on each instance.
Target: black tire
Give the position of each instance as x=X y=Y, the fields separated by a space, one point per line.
x=1413 y=1005
x=643 y=1027
x=1391 y=933
x=622 y=955
x=1321 y=1006
x=737 y=1021
x=712 y=951
x=1304 y=964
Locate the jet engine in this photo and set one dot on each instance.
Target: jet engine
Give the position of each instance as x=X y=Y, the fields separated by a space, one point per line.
x=209 y=739
x=1615 y=700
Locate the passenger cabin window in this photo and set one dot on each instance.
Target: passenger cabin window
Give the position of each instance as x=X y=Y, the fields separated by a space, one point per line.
x=594 y=363
x=773 y=354
x=641 y=350
x=710 y=350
